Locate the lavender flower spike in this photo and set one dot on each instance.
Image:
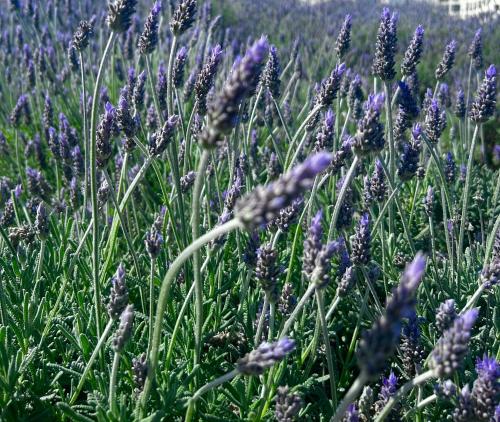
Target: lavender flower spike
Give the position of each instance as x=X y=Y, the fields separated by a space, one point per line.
x=486 y=388
x=452 y=347
x=119 y=293
x=267 y=272
x=330 y=87
x=370 y=133
x=120 y=14
x=344 y=38
x=271 y=74
x=265 y=356
x=312 y=244
x=447 y=61
x=263 y=204
x=484 y=105
x=476 y=50
x=223 y=112
x=183 y=17
x=82 y=35
x=124 y=331
x=446 y=314
x=206 y=78
x=179 y=65
x=385 y=49
x=288 y=405
x=161 y=139
x=413 y=52
x=360 y=254
x=149 y=37
x=379 y=343
x=435 y=122
x=103 y=135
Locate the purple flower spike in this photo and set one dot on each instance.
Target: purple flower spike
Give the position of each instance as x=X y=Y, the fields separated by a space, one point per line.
x=386 y=45
x=344 y=38
x=361 y=241
x=379 y=343
x=413 y=52
x=484 y=105
x=242 y=82
x=453 y=346
x=476 y=49
x=447 y=61
x=263 y=204
x=265 y=356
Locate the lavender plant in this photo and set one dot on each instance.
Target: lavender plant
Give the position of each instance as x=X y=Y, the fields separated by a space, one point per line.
x=257 y=184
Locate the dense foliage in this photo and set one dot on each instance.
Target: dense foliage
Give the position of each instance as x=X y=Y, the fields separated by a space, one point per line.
x=201 y=222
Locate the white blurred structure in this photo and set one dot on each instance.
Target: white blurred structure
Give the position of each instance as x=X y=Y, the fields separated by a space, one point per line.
x=466 y=8
x=462 y=8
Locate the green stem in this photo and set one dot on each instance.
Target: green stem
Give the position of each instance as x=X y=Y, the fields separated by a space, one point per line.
x=347 y=181
x=93 y=357
x=289 y=162
x=206 y=388
x=326 y=339
x=195 y=230
x=392 y=149
x=332 y=308
x=272 y=317
x=93 y=184
x=465 y=203
x=170 y=105
x=260 y=325
x=40 y=261
x=177 y=327
x=291 y=319
x=116 y=218
x=85 y=134
x=151 y=302
x=122 y=222
x=112 y=384
x=164 y=296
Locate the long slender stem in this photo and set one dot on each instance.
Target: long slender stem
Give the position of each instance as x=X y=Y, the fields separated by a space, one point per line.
x=195 y=230
x=289 y=162
x=40 y=260
x=85 y=135
x=122 y=222
x=151 y=302
x=291 y=319
x=170 y=105
x=343 y=190
x=93 y=184
x=177 y=327
x=116 y=219
x=91 y=361
x=262 y=319
x=206 y=388
x=112 y=383
x=392 y=149
x=164 y=296
x=326 y=339
x=465 y=203
x=332 y=308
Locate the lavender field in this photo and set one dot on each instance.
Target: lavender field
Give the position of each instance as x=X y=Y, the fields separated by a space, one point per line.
x=225 y=210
